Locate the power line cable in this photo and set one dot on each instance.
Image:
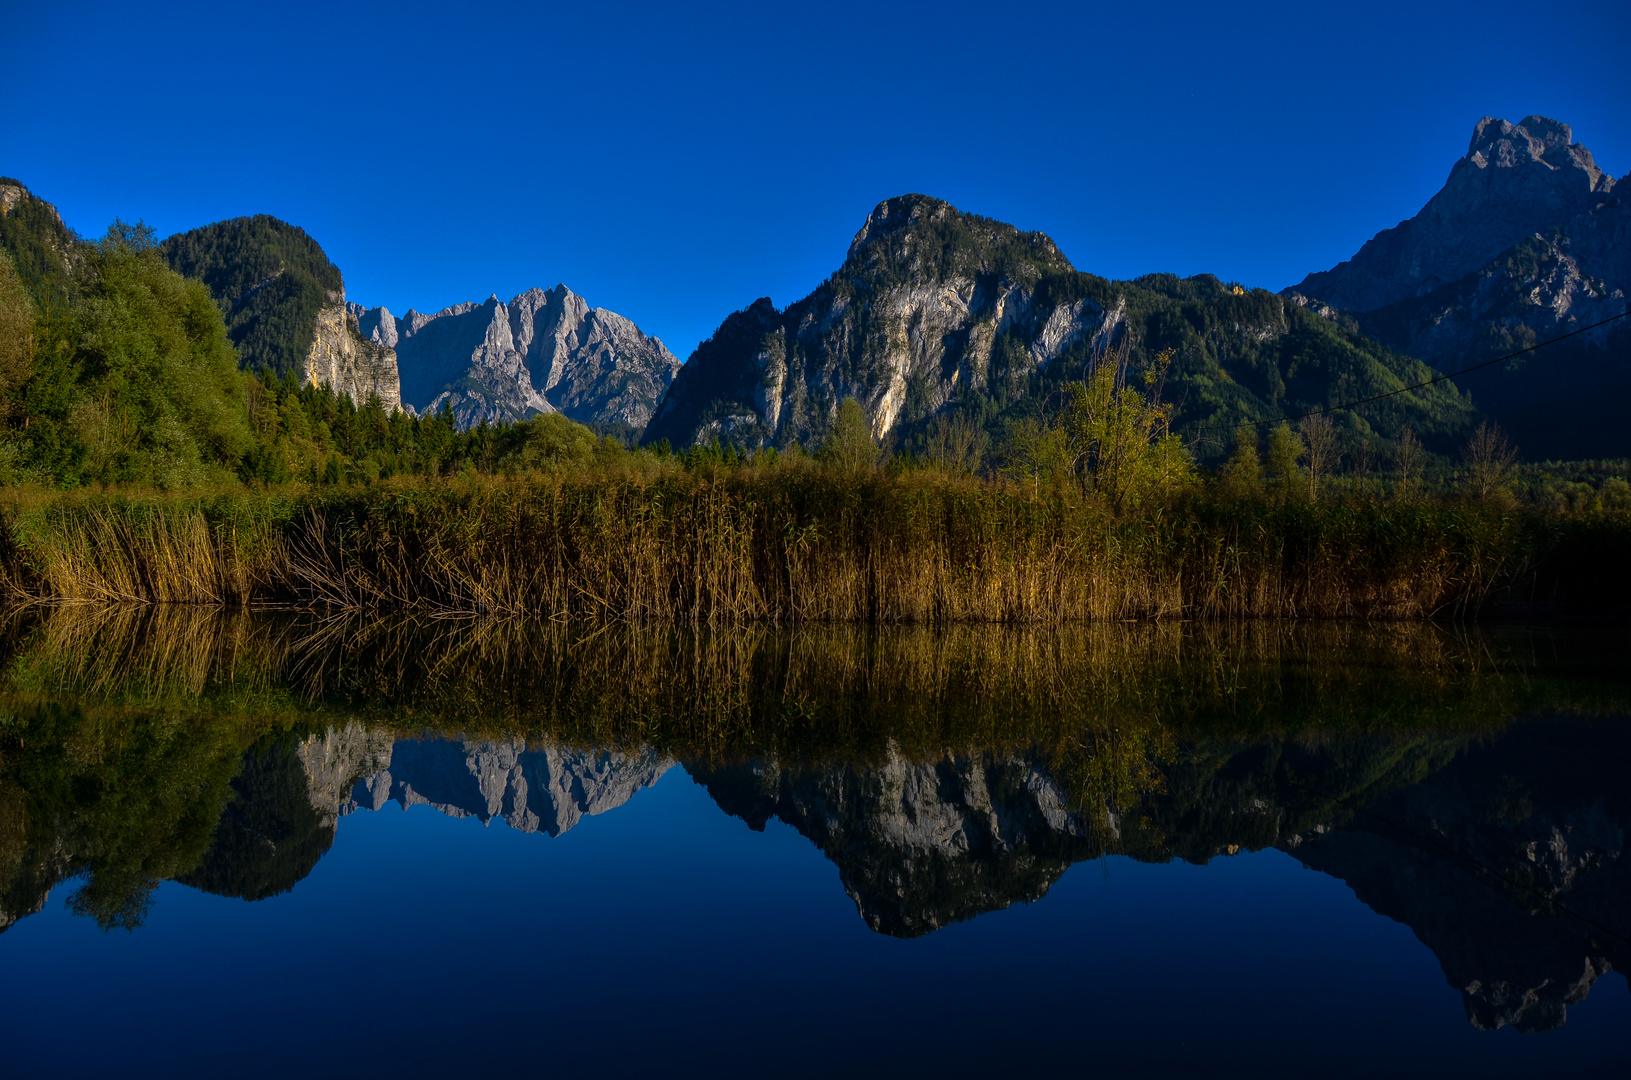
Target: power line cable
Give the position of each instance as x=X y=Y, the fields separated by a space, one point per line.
x=1429 y=382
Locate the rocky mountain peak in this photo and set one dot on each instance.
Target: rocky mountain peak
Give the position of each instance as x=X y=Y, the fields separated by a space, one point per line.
x=542 y=351
x=916 y=233
x=1515 y=181
x=893 y=215
x=1536 y=140
x=907 y=324
x=1528 y=240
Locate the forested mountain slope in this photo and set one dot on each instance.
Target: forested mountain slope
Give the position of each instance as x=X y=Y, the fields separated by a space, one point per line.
x=43 y=251
x=284 y=305
x=270 y=280
x=946 y=325
x=116 y=369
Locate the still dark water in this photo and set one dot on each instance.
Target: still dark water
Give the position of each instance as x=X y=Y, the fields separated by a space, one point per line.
x=280 y=845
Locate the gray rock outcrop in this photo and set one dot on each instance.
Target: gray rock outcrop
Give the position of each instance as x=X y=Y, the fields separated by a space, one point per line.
x=349 y=363
x=336 y=760
x=1529 y=241
x=911 y=320
x=10 y=196
x=543 y=351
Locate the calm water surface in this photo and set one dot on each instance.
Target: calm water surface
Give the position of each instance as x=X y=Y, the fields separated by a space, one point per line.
x=280 y=845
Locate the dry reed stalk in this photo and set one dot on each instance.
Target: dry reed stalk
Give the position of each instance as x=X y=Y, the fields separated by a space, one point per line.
x=781 y=547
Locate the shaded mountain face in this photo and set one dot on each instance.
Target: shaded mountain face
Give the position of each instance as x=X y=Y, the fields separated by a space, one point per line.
x=1515 y=180
x=40 y=245
x=273 y=831
x=542 y=352
x=1528 y=240
x=937 y=314
x=1510 y=864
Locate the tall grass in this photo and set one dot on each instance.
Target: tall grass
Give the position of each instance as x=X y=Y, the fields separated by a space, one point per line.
x=781 y=545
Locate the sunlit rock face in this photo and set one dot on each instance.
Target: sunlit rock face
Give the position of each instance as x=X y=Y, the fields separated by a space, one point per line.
x=342 y=359
x=912 y=319
x=921 y=845
x=541 y=352
x=543 y=789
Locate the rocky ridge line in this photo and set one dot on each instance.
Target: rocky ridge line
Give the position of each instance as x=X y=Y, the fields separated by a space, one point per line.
x=911 y=320
x=1528 y=241
x=543 y=351
x=1516 y=180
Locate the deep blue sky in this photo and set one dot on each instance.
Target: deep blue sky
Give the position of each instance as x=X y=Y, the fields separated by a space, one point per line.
x=673 y=163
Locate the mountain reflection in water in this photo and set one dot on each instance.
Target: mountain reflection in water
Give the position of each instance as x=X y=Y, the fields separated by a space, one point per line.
x=1468 y=785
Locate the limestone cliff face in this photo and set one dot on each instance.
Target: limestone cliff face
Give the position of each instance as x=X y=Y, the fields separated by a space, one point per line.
x=1516 y=180
x=543 y=351
x=929 y=304
x=10 y=196
x=341 y=358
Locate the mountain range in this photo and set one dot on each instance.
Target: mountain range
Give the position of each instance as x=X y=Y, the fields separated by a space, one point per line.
x=287 y=312
x=937 y=314
x=948 y=327
x=541 y=352
x=942 y=320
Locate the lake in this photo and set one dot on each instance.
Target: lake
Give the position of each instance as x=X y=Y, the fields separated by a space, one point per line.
x=286 y=843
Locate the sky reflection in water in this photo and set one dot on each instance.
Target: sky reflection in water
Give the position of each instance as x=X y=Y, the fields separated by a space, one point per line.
x=662 y=932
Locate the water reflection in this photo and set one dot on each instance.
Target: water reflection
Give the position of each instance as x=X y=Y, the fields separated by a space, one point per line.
x=1469 y=785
